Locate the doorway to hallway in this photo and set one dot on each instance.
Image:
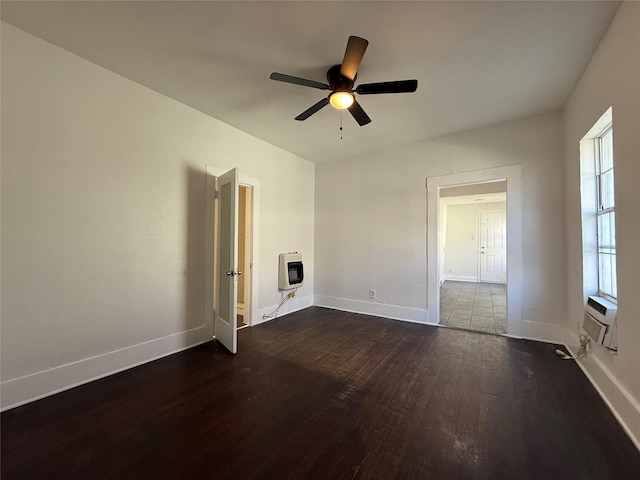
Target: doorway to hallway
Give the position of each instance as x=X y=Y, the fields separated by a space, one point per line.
x=435 y=243
x=473 y=236
x=474 y=306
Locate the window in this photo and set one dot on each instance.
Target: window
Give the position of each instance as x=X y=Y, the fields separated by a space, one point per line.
x=598 y=210
x=606 y=224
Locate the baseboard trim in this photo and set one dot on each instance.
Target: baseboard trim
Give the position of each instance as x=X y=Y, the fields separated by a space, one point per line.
x=22 y=390
x=292 y=305
x=396 y=312
x=623 y=406
x=456 y=278
x=540 y=331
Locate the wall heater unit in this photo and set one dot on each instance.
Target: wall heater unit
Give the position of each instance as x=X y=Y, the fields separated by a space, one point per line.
x=291 y=271
x=600 y=322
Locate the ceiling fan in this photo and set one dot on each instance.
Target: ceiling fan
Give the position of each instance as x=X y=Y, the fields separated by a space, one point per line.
x=341 y=79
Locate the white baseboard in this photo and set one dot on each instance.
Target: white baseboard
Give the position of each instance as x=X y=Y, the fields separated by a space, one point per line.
x=456 y=278
x=540 y=331
x=408 y=314
x=292 y=305
x=18 y=391
x=623 y=406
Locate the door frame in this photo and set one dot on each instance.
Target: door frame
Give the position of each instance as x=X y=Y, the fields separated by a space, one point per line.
x=247 y=242
x=210 y=301
x=512 y=174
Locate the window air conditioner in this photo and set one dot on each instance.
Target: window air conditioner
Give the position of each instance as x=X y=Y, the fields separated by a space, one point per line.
x=600 y=322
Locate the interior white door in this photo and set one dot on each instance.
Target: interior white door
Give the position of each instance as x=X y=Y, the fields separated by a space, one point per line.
x=493 y=247
x=226 y=318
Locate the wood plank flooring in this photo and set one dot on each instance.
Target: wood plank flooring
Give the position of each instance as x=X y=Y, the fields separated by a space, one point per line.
x=323 y=394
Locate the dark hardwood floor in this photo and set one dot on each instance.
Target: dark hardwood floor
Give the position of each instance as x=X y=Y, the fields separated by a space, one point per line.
x=323 y=394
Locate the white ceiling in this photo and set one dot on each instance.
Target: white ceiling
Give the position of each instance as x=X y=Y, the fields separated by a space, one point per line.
x=476 y=62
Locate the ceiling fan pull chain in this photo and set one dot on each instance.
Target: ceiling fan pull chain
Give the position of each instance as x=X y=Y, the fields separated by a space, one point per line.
x=340 y=124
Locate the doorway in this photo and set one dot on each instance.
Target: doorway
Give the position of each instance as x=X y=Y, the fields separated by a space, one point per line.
x=244 y=255
x=473 y=240
x=233 y=200
x=436 y=237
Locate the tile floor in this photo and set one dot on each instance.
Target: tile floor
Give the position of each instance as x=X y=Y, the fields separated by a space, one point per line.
x=474 y=306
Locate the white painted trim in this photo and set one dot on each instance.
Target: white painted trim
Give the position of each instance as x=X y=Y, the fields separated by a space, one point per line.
x=623 y=406
x=209 y=254
x=460 y=278
x=475 y=176
x=396 y=312
x=541 y=332
x=292 y=305
x=512 y=173
x=18 y=391
x=254 y=183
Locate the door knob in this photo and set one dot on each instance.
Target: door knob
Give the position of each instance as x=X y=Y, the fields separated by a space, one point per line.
x=231 y=273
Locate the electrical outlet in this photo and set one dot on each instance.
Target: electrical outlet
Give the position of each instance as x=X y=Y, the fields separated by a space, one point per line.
x=372 y=294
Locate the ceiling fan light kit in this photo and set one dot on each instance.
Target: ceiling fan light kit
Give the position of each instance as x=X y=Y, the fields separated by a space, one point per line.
x=341 y=79
x=341 y=100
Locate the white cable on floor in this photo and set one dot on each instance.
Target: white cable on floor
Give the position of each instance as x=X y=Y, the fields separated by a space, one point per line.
x=584 y=341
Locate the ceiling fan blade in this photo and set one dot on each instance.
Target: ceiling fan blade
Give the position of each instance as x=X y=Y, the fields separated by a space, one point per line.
x=401 y=86
x=359 y=114
x=281 y=77
x=313 y=109
x=356 y=47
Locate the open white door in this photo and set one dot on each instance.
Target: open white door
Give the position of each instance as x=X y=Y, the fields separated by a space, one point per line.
x=226 y=312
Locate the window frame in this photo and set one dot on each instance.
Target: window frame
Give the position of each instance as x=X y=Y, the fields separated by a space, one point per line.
x=604 y=209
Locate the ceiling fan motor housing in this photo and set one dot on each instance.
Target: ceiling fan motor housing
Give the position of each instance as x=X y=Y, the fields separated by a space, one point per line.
x=339 y=82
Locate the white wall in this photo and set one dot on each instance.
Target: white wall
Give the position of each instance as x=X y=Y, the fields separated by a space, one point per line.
x=371 y=218
x=103 y=211
x=461 y=247
x=611 y=79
